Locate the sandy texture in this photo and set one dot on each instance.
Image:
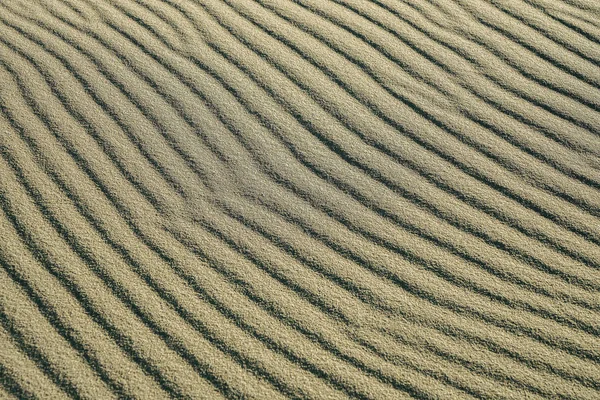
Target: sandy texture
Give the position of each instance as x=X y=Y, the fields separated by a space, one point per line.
x=311 y=199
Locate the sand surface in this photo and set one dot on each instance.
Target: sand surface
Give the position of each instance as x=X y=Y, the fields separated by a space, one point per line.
x=305 y=199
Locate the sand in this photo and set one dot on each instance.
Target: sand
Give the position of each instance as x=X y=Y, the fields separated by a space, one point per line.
x=311 y=199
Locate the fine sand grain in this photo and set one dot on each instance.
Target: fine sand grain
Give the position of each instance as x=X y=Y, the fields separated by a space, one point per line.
x=312 y=199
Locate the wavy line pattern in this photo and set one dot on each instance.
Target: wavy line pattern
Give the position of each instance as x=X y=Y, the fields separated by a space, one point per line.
x=299 y=199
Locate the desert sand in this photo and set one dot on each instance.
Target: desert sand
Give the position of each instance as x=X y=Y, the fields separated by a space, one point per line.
x=304 y=199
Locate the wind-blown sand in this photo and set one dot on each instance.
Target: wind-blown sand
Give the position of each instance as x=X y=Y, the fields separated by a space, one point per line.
x=318 y=199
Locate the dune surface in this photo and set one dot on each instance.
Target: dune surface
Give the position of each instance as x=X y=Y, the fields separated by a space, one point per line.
x=305 y=199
